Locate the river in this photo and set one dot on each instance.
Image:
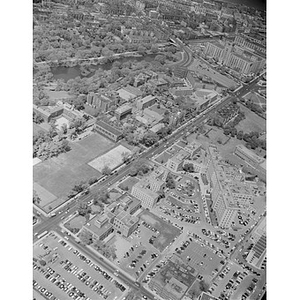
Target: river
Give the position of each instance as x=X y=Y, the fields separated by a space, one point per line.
x=67 y=73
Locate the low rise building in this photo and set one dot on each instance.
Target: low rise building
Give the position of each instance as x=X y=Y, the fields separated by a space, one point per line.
x=248 y=155
x=129 y=92
x=157 y=128
x=108 y=130
x=48 y=112
x=99 y=227
x=145 y=102
x=125 y=223
x=257 y=254
x=123 y=111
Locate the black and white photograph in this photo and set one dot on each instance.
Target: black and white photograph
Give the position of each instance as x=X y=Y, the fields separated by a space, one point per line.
x=149 y=150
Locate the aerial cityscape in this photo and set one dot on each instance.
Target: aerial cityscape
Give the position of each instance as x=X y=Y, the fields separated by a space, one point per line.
x=149 y=150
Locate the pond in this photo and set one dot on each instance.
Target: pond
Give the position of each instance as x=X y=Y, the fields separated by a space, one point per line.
x=67 y=73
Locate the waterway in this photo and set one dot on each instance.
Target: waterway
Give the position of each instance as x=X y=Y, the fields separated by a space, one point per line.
x=67 y=73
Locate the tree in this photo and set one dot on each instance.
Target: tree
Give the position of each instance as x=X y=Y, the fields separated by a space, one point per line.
x=64 y=128
x=106 y=170
x=170 y=182
x=92 y=180
x=101 y=197
x=240 y=135
x=133 y=171
x=80 y=187
x=36 y=198
x=150 y=138
x=160 y=58
x=188 y=167
x=84 y=209
x=154 y=48
x=203 y=286
x=125 y=156
x=141 y=50
x=86 y=237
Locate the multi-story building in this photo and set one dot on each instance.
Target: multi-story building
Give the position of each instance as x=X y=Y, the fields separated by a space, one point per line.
x=146 y=189
x=125 y=223
x=244 y=61
x=108 y=130
x=122 y=111
x=99 y=101
x=145 y=102
x=147 y=197
x=99 y=227
x=221 y=196
x=175 y=163
x=244 y=41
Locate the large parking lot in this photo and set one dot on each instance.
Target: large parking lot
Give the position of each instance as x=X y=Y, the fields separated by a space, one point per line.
x=135 y=254
x=197 y=255
x=60 y=271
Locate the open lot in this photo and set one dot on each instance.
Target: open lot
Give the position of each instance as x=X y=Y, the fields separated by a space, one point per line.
x=167 y=233
x=252 y=122
x=163 y=158
x=37 y=128
x=75 y=224
x=58 y=175
x=128 y=183
x=61 y=270
x=111 y=159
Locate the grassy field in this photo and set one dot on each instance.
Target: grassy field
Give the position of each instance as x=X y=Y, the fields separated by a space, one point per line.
x=252 y=122
x=58 y=175
x=163 y=158
x=128 y=183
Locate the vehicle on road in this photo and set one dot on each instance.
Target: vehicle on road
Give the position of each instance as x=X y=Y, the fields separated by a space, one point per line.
x=42 y=234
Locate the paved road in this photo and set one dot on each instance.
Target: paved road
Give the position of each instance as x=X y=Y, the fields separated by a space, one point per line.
x=46 y=225
x=52 y=223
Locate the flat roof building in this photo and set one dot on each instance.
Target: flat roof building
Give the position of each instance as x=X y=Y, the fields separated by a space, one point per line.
x=176 y=162
x=99 y=227
x=125 y=223
x=122 y=111
x=146 y=102
x=248 y=155
x=108 y=130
